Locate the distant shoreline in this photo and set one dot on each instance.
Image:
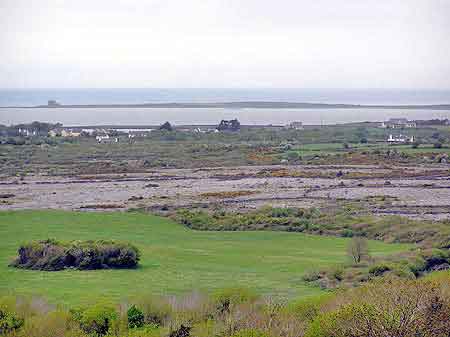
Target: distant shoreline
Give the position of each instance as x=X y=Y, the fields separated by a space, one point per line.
x=239 y=105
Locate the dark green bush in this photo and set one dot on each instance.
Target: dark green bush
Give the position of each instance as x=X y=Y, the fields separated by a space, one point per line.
x=9 y=321
x=51 y=255
x=135 y=317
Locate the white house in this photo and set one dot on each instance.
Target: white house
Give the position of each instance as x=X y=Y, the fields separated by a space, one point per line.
x=400 y=139
x=27 y=132
x=106 y=139
x=70 y=133
x=398 y=123
x=296 y=125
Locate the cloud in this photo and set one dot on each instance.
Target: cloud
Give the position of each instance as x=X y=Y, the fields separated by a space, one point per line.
x=218 y=43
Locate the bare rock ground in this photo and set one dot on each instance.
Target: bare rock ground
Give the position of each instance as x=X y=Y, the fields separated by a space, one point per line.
x=419 y=192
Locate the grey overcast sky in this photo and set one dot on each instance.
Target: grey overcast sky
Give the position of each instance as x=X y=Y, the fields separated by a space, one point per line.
x=225 y=43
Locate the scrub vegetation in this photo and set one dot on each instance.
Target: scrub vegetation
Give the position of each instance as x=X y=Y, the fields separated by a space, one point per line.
x=387 y=307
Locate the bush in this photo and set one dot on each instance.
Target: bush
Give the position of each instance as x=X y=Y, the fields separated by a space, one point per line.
x=228 y=297
x=146 y=331
x=337 y=323
x=311 y=276
x=156 y=311
x=9 y=321
x=96 y=319
x=135 y=317
x=55 y=324
x=309 y=308
x=51 y=255
x=379 y=269
x=389 y=308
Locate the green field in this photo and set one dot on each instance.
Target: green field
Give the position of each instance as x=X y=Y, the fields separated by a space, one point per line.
x=174 y=259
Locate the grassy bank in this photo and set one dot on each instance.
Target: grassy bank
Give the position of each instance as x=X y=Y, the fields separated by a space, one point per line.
x=174 y=259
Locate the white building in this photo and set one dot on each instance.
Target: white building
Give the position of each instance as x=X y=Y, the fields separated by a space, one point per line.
x=400 y=139
x=106 y=139
x=70 y=133
x=398 y=123
x=296 y=125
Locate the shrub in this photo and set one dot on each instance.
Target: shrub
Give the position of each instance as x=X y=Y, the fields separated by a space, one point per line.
x=340 y=323
x=51 y=255
x=96 y=319
x=9 y=321
x=228 y=297
x=309 y=308
x=55 y=324
x=146 y=331
x=182 y=331
x=390 y=308
x=135 y=317
x=156 y=311
x=379 y=269
x=311 y=276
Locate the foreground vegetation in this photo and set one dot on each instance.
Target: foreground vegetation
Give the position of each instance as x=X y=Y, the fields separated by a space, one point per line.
x=385 y=308
x=174 y=259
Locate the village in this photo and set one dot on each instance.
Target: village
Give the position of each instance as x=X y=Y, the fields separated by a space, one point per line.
x=400 y=130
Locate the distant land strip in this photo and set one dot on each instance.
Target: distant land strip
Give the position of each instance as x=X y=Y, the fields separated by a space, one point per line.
x=241 y=105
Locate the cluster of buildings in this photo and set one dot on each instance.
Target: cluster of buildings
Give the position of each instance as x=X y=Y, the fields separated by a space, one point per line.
x=398 y=123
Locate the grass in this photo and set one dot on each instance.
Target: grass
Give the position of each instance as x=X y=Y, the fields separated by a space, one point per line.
x=174 y=258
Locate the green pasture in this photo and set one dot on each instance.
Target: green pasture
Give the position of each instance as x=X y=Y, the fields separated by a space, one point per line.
x=174 y=259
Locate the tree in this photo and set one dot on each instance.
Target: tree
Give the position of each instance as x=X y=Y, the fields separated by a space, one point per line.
x=166 y=126
x=358 y=249
x=135 y=317
x=231 y=125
